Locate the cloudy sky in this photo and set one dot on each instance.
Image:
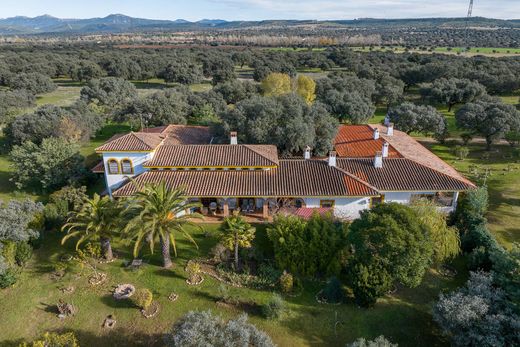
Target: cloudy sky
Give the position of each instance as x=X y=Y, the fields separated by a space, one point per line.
x=260 y=9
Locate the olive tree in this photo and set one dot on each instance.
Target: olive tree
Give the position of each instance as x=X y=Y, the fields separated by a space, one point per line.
x=196 y=329
x=409 y=118
x=478 y=314
x=489 y=117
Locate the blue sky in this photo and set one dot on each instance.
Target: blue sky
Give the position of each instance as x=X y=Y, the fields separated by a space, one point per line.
x=260 y=9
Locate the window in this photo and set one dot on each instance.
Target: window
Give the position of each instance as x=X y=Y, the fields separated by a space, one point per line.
x=327 y=203
x=377 y=200
x=126 y=167
x=113 y=167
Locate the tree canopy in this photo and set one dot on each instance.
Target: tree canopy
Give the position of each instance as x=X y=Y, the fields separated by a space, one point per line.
x=478 y=314
x=111 y=92
x=488 y=117
x=454 y=91
x=409 y=118
x=204 y=329
x=388 y=244
x=47 y=166
x=287 y=122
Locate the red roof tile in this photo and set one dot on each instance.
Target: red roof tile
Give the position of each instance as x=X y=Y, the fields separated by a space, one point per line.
x=401 y=174
x=293 y=178
x=214 y=156
x=132 y=142
x=99 y=168
x=357 y=141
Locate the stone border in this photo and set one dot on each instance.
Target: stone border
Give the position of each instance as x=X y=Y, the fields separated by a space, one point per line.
x=92 y=280
x=195 y=283
x=155 y=307
x=173 y=297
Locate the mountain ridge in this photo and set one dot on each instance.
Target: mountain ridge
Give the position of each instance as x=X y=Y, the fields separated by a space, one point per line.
x=117 y=23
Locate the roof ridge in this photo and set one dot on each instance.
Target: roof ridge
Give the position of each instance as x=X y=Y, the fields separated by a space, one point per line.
x=140 y=139
x=356 y=178
x=261 y=154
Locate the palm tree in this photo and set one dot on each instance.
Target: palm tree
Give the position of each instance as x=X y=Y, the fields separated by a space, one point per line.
x=156 y=214
x=97 y=219
x=236 y=232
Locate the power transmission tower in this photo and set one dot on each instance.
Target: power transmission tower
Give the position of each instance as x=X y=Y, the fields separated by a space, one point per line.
x=470 y=10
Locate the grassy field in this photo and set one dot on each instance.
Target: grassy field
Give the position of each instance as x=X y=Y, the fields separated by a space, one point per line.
x=501 y=173
x=28 y=307
x=486 y=51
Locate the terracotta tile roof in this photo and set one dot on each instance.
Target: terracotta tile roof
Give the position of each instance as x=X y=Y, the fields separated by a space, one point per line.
x=401 y=174
x=187 y=135
x=412 y=149
x=292 y=178
x=99 y=168
x=306 y=212
x=150 y=138
x=215 y=156
x=357 y=141
x=132 y=142
x=155 y=130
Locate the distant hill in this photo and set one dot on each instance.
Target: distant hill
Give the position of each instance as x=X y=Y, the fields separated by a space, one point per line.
x=117 y=23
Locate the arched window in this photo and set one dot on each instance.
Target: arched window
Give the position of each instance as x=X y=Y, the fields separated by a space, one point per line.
x=127 y=167
x=113 y=167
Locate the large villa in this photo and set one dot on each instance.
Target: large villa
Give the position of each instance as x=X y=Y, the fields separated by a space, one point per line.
x=370 y=164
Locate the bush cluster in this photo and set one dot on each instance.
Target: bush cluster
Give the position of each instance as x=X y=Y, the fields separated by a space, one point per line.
x=308 y=248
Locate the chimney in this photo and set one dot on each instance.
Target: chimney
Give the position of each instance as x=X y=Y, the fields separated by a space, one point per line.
x=376 y=134
x=387 y=120
x=378 y=160
x=390 y=129
x=332 y=158
x=385 y=149
x=234 y=137
x=307 y=153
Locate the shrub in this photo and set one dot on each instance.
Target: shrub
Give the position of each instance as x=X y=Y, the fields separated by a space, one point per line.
x=204 y=329
x=142 y=298
x=274 y=308
x=286 y=282
x=461 y=152
x=220 y=254
x=193 y=269
x=308 y=248
x=8 y=278
x=333 y=291
x=379 y=341
x=225 y=295
x=23 y=253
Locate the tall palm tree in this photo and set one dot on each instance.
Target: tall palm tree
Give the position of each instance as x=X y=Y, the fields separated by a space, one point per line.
x=97 y=219
x=156 y=214
x=236 y=232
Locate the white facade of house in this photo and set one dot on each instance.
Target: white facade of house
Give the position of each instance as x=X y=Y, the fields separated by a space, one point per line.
x=114 y=181
x=347 y=208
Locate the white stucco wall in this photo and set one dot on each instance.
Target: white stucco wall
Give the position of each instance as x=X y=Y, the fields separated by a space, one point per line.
x=138 y=159
x=348 y=208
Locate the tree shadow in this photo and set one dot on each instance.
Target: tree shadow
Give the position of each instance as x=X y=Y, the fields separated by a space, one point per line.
x=110 y=301
x=117 y=337
x=170 y=273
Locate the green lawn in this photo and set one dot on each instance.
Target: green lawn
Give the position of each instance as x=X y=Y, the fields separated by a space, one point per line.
x=488 y=51
x=502 y=179
x=28 y=307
